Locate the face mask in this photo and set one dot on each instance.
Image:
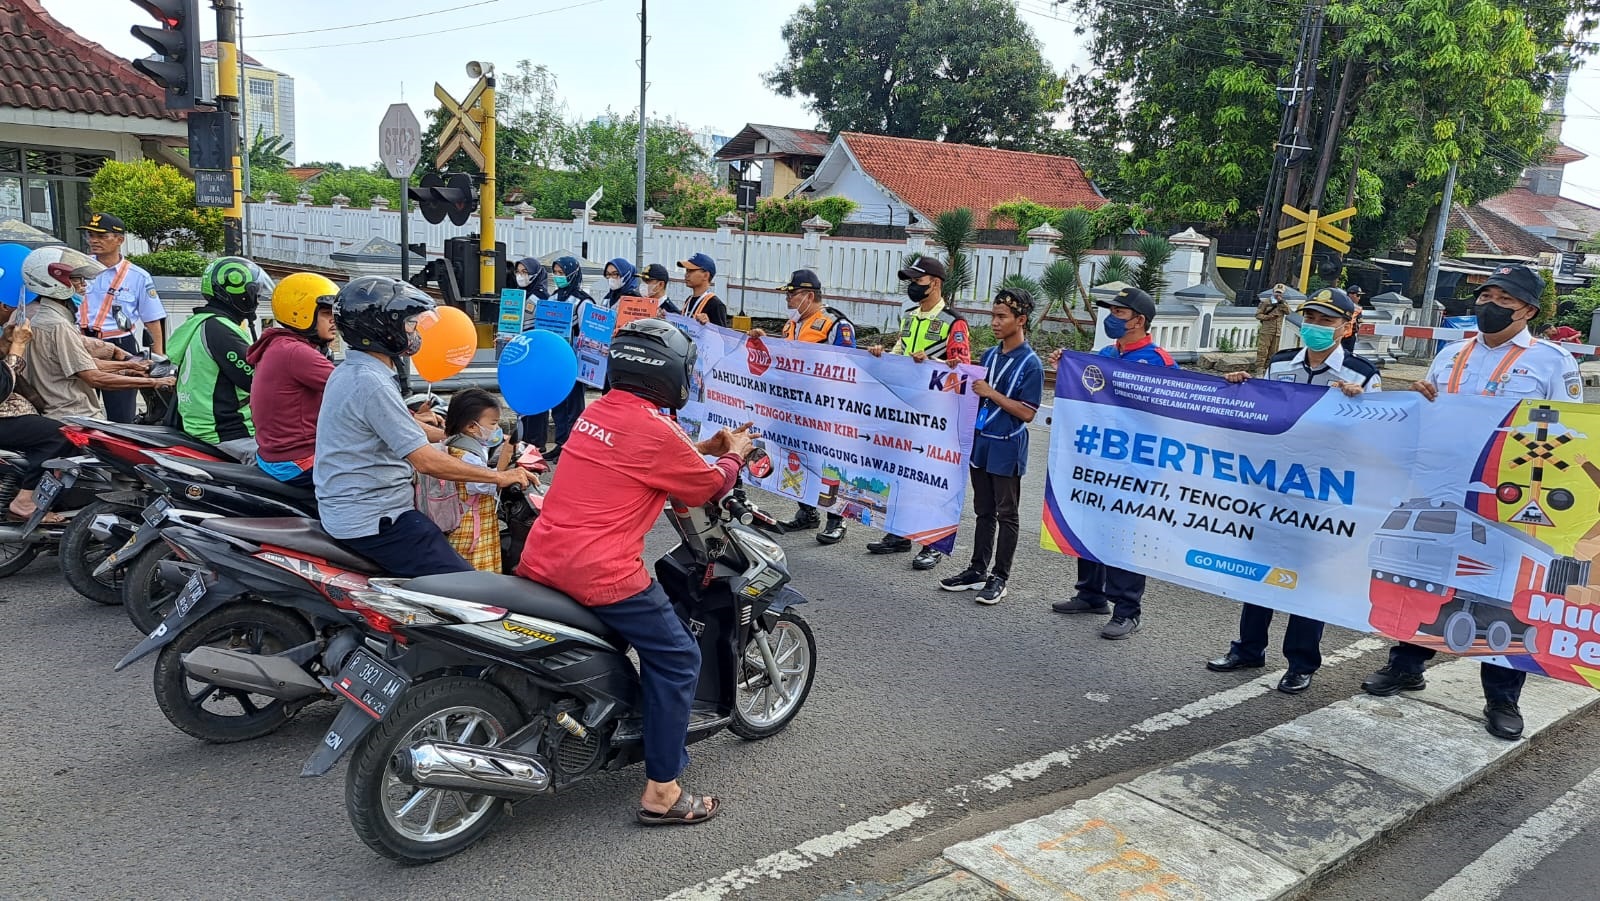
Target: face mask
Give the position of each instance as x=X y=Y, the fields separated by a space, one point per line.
x=917 y=292
x=1116 y=328
x=1316 y=337
x=561 y=281
x=494 y=438
x=523 y=280
x=615 y=282
x=1493 y=318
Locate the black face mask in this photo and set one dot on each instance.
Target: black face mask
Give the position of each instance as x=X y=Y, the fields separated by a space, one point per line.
x=1493 y=318
x=916 y=292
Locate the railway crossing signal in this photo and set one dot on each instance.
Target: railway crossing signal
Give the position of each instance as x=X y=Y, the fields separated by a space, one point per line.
x=1314 y=229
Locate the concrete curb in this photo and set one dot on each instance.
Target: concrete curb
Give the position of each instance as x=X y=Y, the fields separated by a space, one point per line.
x=1258 y=818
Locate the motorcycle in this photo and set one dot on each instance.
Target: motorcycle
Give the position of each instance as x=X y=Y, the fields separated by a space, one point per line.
x=21 y=542
x=477 y=690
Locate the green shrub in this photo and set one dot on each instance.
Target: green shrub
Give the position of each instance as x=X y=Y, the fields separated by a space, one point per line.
x=172 y=262
x=1584 y=302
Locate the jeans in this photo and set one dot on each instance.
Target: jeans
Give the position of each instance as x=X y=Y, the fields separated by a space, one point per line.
x=409 y=546
x=669 y=670
x=995 y=499
x=123 y=405
x=37 y=439
x=1500 y=685
x=1102 y=584
x=1302 y=640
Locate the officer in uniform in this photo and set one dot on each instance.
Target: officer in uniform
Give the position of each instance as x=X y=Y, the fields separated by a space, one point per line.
x=929 y=330
x=811 y=322
x=1327 y=317
x=117 y=303
x=1503 y=360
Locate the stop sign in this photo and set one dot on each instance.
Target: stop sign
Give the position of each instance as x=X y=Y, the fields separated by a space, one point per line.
x=400 y=141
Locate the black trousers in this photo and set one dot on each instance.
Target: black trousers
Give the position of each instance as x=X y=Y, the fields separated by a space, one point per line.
x=1101 y=584
x=1499 y=684
x=37 y=439
x=565 y=414
x=122 y=406
x=409 y=546
x=995 y=500
x=1302 y=640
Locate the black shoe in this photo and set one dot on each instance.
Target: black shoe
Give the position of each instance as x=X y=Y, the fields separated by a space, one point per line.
x=927 y=558
x=1388 y=681
x=1230 y=661
x=1293 y=683
x=1079 y=605
x=889 y=544
x=803 y=519
x=1504 y=720
x=1120 y=628
x=834 y=532
x=992 y=592
x=969 y=579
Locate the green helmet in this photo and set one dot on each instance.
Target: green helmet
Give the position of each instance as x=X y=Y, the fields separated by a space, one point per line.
x=235 y=284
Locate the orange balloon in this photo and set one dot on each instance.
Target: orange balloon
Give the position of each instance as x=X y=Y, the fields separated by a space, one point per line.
x=449 y=343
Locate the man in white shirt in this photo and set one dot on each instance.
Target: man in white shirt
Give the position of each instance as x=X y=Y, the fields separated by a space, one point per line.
x=118 y=303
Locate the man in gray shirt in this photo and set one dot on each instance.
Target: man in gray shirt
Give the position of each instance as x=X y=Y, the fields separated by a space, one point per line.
x=368 y=444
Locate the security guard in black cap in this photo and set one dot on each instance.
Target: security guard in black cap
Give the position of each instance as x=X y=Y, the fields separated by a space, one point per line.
x=812 y=322
x=1503 y=360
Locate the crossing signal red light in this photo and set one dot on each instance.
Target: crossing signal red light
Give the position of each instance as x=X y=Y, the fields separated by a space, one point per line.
x=176 y=63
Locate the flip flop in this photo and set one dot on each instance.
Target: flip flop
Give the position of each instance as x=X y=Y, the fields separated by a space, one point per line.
x=689 y=810
x=50 y=519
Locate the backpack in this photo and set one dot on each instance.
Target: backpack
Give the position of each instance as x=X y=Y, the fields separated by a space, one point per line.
x=439 y=501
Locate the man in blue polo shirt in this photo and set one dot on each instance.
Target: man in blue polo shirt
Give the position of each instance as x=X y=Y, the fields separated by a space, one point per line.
x=1101 y=588
x=1010 y=392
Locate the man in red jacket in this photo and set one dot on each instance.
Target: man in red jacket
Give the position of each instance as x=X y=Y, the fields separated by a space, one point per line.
x=623 y=459
x=291 y=369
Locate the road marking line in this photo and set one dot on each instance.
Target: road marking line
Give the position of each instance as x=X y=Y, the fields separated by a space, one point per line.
x=1539 y=836
x=806 y=854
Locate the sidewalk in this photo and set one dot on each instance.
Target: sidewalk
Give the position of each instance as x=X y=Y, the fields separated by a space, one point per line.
x=1257 y=818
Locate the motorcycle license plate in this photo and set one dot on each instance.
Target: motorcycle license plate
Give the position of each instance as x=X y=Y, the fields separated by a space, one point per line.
x=369 y=684
x=193 y=590
x=157 y=511
x=49 y=489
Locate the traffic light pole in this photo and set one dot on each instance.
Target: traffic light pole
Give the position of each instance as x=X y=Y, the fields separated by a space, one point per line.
x=228 y=102
x=488 y=278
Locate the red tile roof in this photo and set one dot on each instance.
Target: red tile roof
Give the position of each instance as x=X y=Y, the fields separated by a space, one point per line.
x=46 y=66
x=934 y=177
x=1564 y=155
x=208 y=49
x=304 y=173
x=1530 y=210
x=1491 y=235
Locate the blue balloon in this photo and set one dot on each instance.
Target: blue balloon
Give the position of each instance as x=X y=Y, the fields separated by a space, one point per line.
x=537 y=371
x=11 y=257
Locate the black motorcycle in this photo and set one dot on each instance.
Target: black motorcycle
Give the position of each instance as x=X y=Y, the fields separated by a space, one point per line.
x=478 y=689
x=21 y=542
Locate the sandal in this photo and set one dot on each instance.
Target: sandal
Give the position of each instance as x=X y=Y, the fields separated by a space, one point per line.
x=50 y=519
x=688 y=810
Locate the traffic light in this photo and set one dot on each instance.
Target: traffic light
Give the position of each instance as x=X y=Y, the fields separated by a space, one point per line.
x=438 y=197
x=176 y=43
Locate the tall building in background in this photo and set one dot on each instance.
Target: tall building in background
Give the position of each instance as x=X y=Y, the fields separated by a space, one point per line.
x=268 y=97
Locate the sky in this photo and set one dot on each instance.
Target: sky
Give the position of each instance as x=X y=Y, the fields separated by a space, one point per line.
x=706 y=61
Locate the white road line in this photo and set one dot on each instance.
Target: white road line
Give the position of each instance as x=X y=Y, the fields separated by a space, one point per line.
x=1539 y=836
x=808 y=853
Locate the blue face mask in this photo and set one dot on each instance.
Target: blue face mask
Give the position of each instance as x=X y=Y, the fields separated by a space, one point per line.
x=1316 y=337
x=1116 y=327
x=494 y=438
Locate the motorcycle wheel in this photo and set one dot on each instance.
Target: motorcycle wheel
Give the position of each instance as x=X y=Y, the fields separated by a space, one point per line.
x=415 y=824
x=226 y=715
x=81 y=552
x=147 y=599
x=759 y=710
x=14 y=558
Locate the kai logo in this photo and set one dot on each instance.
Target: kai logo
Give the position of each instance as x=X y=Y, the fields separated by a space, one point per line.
x=520 y=629
x=948 y=380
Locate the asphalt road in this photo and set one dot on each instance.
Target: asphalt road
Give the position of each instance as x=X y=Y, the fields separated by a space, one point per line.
x=932 y=720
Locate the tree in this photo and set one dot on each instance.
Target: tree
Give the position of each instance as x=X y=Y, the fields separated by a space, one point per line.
x=965 y=71
x=1077 y=236
x=953 y=232
x=358 y=184
x=1151 y=275
x=268 y=153
x=156 y=202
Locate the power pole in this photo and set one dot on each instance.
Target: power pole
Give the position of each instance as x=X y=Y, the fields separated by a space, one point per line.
x=1301 y=146
x=244 y=127
x=638 y=189
x=228 y=102
x=1438 y=239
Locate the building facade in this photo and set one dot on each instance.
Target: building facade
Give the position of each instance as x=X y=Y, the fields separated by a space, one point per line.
x=266 y=97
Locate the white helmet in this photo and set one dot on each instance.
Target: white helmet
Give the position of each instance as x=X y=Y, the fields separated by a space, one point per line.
x=49 y=271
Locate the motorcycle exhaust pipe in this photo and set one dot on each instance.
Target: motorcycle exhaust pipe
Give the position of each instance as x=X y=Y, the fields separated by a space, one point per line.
x=484 y=771
x=275 y=677
x=174 y=574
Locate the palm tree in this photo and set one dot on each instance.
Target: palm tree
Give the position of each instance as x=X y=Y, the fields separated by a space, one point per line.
x=1151 y=277
x=1060 y=284
x=1116 y=268
x=269 y=152
x=953 y=231
x=1077 y=236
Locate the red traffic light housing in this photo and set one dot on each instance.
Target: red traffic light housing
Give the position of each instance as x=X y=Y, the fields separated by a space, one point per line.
x=176 y=63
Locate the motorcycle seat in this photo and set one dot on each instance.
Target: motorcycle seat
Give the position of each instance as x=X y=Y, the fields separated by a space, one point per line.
x=518 y=595
x=294 y=533
x=251 y=477
x=154 y=436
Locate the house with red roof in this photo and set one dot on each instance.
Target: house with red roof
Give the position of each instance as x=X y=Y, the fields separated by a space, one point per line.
x=899 y=181
x=67 y=105
x=783 y=156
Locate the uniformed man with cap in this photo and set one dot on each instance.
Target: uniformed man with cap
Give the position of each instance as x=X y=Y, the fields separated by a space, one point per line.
x=1503 y=360
x=930 y=329
x=703 y=306
x=1326 y=318
x=117 y=303
x=1106 y=589
x=812 y=322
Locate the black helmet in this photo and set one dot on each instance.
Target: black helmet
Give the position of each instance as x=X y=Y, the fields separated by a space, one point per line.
x=654 y=360
x=235 y=284
x=371 y=314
